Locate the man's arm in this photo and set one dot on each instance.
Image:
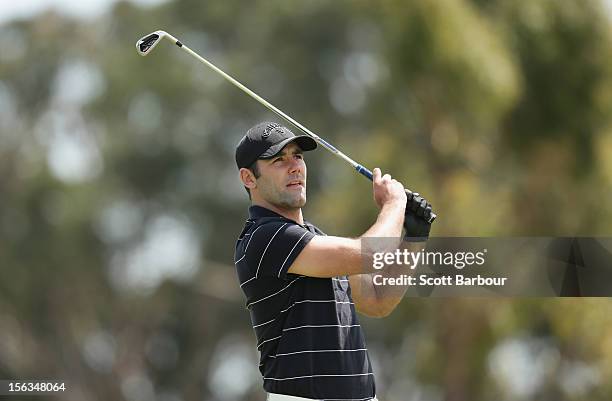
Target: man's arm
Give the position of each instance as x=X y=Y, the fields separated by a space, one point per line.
x=380 y=300
x=328 y=256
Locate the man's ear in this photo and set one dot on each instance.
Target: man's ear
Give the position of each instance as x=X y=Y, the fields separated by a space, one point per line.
x=248 y=178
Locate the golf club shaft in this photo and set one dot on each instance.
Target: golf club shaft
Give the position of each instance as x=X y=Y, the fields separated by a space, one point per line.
x=360 y=169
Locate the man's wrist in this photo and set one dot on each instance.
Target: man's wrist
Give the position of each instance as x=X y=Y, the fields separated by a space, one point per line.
x=416 y=229
x=413 y=238
x=395 y=205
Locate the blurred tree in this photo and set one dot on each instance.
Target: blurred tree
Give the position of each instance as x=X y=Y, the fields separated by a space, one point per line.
x=120 y=201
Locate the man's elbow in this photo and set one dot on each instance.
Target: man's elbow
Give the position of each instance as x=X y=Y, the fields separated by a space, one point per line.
x=375 y=310
x=380 y=313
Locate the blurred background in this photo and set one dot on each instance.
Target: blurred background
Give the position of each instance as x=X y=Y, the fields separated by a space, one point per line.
x=120 y=201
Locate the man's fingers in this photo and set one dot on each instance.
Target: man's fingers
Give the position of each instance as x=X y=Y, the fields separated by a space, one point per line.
x=376 y=175
x=422 y=208
x=419 y=206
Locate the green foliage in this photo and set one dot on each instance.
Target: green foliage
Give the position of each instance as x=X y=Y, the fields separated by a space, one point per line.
x=497 y=111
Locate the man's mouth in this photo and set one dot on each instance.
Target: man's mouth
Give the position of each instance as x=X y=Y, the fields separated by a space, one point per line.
x=295 y=184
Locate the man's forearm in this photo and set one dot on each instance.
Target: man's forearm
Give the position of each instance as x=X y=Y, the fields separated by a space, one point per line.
x=380 y=300
x=387 y=228
x=389 y=222
x=389 y=296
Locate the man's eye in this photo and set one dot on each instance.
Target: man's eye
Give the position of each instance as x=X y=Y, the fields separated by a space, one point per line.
x=299 y=156
x=278 y=160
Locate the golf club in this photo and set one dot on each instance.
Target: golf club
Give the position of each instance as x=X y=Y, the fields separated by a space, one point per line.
x=147 y=43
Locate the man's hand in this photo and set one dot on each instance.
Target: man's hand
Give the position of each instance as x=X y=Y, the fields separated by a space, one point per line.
x=416 y=224
x=387 y=190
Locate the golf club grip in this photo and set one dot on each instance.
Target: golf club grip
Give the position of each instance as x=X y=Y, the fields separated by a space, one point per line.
x=368 y=174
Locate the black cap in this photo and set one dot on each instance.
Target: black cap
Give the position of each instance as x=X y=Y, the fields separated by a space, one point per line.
x=266 y=140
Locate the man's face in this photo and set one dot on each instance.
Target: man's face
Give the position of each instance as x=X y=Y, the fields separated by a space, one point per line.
x=282 y=180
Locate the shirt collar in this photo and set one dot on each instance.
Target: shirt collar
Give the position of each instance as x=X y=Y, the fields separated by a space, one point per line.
x=258 y=212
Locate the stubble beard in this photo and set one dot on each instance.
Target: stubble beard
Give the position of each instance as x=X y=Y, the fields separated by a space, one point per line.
x=287 y=199
x=290 y=200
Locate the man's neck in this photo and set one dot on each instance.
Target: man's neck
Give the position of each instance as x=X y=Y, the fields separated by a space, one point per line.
x=292 y=214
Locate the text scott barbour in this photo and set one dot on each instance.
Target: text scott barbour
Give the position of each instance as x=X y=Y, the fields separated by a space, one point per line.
x=411 y=259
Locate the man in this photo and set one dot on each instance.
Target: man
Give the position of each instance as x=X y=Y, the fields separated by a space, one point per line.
x=297 y=280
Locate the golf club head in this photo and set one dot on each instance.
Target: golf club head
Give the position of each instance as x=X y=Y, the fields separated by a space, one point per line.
x=147 y=43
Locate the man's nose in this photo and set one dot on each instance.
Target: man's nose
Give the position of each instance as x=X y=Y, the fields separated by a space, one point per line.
x=296 y=165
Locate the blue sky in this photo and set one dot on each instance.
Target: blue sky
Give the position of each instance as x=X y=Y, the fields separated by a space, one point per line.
x=80 y=8
x=77 y=8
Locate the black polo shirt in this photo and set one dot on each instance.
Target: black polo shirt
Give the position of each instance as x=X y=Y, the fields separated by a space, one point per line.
x=308 y=334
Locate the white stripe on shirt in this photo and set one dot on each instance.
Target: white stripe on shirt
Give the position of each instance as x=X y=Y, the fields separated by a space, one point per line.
x=271 y=295
x=264 y=252
x=245 y=251
x=245 y=235
x=248 y=243
x=323 y=350
x=291 y=251
x=252 y=278
x=319 y=326
x=271 y=339
x=314 y=300
x=298 y=302
x=304 y=377
x=261 y=324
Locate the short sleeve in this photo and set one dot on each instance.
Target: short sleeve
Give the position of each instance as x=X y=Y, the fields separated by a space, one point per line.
x=274 y=246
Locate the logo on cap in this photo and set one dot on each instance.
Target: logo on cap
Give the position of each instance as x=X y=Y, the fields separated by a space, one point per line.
x=269 y=128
